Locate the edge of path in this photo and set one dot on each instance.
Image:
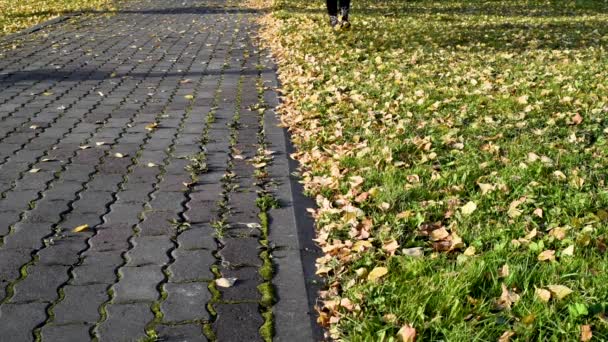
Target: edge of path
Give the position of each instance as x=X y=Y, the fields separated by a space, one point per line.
x=12 y=36
x=292 y=228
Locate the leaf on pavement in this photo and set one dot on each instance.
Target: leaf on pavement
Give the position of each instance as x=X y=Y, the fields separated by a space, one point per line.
x=225 y=282
x=81 y=228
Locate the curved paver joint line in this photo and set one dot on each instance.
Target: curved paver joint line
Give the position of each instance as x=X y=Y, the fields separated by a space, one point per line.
x=155 y=127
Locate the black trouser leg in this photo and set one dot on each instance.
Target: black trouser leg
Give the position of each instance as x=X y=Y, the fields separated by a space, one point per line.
x=332 y=7
x=345 y=4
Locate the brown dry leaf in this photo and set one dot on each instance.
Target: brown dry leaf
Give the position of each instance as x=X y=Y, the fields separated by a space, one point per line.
x=503 y=272
x=513 y=211
x=542 y=294
x=225 y=282
x=538 y=212
x=507 y=298
x=377 y=273
x=391 y=246
x=439 y=234
x=586 y=333
x=506 y=336
x=80 y=228
x=548 y=255
x=558 y=233
x=152 y=126
x=407 y=333
x=559 y=291
x=577 y=119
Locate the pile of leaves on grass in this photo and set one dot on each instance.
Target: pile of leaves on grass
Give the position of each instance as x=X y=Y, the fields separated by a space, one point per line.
x=458 y=154
x=16 y=15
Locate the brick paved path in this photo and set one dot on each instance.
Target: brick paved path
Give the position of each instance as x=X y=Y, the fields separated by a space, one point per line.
x=154 y=127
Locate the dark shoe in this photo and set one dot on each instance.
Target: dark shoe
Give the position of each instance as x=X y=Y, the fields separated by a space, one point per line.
x=333 y=20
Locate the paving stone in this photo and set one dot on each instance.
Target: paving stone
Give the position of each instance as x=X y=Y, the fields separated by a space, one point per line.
x=241 y=251
x=67 y=332
x=98 y=268
x=244 y=315
x=185 y=302
x=245 y=288
x=18 y=321
x=125 y=322
x=138 y=284
x=80 y=304
x=197 y=237
x=181 y=333
x=40 y=284
x=191 y=265
x=150 y=250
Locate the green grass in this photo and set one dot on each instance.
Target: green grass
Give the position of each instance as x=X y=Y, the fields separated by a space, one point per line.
x=435 y=104
x=17 y=15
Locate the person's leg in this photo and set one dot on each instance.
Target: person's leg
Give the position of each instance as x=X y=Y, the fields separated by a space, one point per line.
x=332 y=10
x=344 y=9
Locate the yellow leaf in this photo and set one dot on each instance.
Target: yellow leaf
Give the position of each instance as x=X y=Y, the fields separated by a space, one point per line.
x=377 y=273
x=542 y=294
x=504 y=271
x=548 y=255
x=485 y=188
x=152 y=126
x=470 y=251
x=80 y=228
x=225 y=282
x=558 y=233
x=189 y=97
x=559 y=291
x=569 y=251
x=506 y=336
x=538 y=212
x=468 y=208
x=406 y=334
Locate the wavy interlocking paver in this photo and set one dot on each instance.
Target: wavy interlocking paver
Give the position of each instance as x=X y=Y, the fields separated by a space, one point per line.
x=144 y=124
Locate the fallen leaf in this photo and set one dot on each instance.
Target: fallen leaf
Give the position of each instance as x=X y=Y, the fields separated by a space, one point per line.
x=34 y=170
x=558 y=233
x=439 y=234
x=577 y=119
x=569 y=251
x=84 y=147
x=377 y=273
x=506 y=336
x=100 y=143
x=543 y=295
x=507 y=298
x=548 y=255
x=391 y=246
x=47 y=160
x=151 y=165
x=33 y=127
x=531 y=235
x=538 y=212
x=152 y=126
x=559 y=175
x=187 y=80
x=470 y=251
x=586 y=333
x=559 y=291
x=189 y=97
x=504 y=271
x=406 y=334
x=225 y=282
x=485 y=188
x=413 y=252
x=468 y=208
x=80 y=228
x=119 y=155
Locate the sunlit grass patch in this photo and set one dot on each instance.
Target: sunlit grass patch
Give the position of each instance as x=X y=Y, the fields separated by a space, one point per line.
x=461 y=145
x=17 y=15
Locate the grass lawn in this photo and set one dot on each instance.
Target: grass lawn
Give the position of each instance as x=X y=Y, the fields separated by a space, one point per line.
x=458 y=153
x=17 y=15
